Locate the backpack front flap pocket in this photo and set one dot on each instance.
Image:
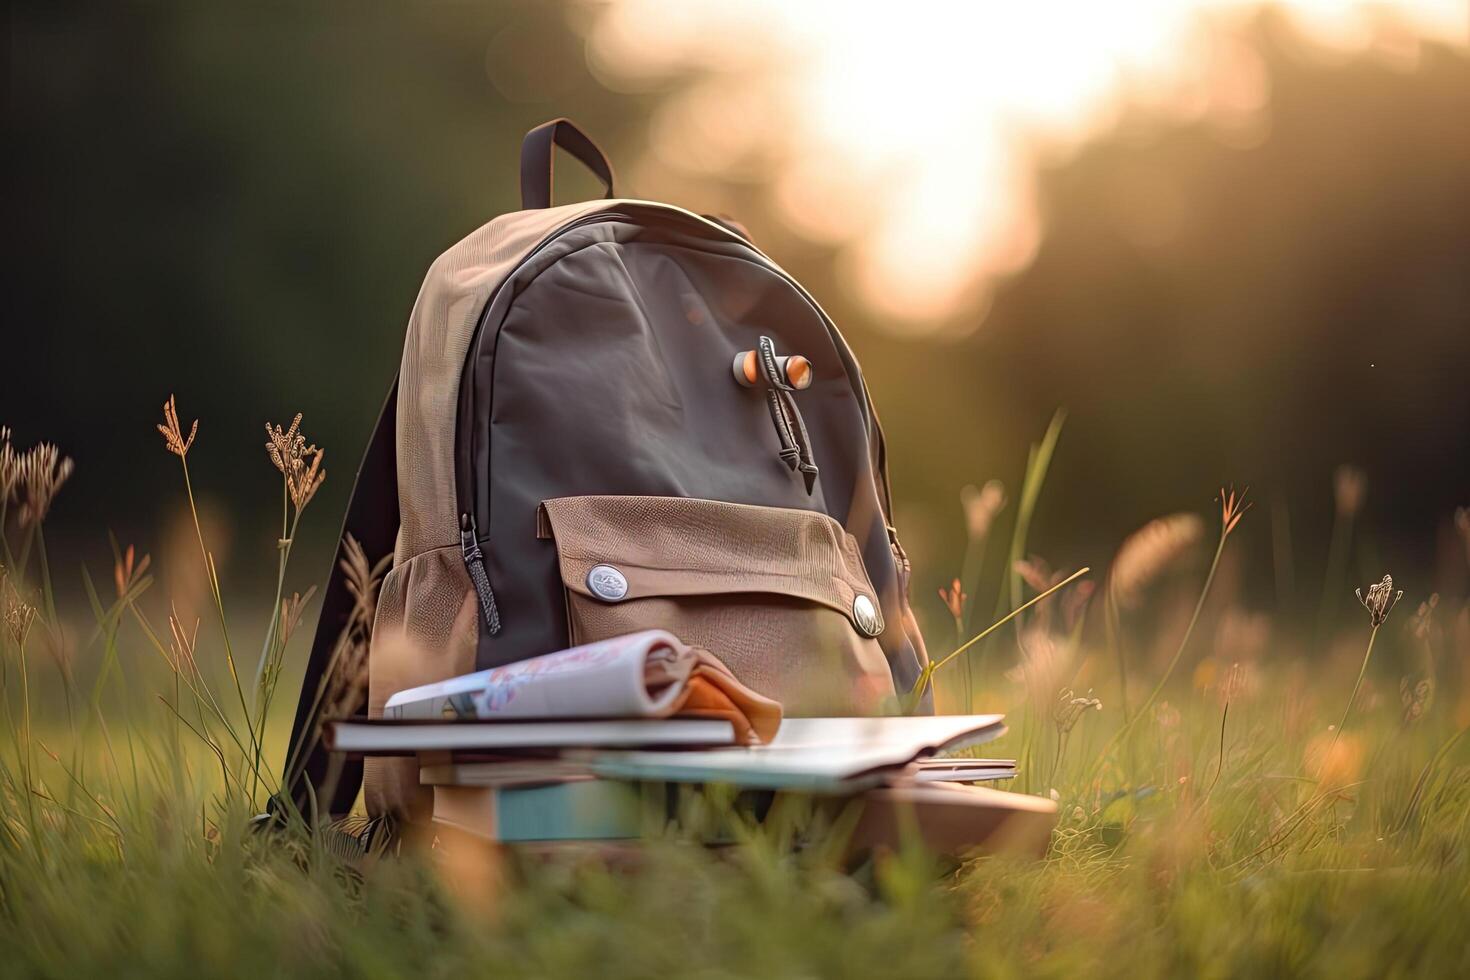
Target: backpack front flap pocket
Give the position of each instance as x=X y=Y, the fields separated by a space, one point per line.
x=779 y=595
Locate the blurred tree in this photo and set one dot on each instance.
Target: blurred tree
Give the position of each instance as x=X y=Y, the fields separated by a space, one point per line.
x=238 y=205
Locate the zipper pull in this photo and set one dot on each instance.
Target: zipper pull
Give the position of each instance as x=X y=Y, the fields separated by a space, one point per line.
x=474 y=563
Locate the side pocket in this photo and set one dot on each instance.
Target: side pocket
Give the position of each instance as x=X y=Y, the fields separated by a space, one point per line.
x=426 y=630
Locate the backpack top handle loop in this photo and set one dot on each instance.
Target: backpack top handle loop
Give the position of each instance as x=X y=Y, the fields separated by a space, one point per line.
x=538 y=160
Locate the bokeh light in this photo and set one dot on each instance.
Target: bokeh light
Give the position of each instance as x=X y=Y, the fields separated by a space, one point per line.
x=909 y=136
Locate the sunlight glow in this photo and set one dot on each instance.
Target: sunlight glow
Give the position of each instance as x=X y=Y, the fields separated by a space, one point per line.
x=906 y=134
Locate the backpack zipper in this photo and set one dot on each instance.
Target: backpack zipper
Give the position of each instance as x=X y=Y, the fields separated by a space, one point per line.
x=469 y=532
x=474 y=563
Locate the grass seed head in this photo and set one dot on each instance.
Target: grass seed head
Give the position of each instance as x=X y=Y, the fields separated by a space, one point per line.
x=173 y=433
x=1036 y=572
x=9 y=468
x=954 y=599
x=349 y=679
x=298 y=461
x=285 y=448
x=125 y=572
x=1239 y=681
x=1232 y=509
x=18 y=614
x=1147 y=552
x=1380 y=600
x=303 y=482
x=1070 y=708
x=292 y=610
x=43 y=472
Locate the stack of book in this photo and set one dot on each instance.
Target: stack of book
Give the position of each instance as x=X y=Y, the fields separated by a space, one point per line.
x=566 y=747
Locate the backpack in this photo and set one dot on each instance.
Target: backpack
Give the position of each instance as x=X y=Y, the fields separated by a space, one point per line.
x=612 y=416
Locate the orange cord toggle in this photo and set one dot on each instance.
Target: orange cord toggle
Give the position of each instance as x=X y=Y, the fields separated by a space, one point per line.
x=796 y=369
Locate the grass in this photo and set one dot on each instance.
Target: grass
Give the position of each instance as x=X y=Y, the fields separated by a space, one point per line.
x=1261 y=811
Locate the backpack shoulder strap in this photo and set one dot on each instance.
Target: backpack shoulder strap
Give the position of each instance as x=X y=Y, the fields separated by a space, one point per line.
x=372 y=518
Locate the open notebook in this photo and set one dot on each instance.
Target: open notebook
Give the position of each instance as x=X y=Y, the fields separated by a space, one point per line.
x=814 y=754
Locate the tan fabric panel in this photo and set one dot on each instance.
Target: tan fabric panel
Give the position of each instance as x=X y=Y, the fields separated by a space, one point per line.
x=454 y=293
x=767 y=590
x=426 y=629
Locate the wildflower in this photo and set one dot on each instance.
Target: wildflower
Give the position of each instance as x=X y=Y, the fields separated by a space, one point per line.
x=1380 y=600
x=299 y=462
x=1167 y=715
x=1148 y=552
x=1070 y=709
x=981 y=505
x=125 y=574
x=1349 y=487
x=43 y=471
x=173 y=434
x=954 y=599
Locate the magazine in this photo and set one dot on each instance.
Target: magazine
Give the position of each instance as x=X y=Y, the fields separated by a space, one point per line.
x=651 y=674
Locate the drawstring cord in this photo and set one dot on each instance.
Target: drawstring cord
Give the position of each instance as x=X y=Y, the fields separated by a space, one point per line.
x=796 y=445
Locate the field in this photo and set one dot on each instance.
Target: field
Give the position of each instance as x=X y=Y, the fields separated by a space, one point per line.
x=1236 y=799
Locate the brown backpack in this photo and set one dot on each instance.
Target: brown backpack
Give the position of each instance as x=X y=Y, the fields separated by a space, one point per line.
x=613 y=416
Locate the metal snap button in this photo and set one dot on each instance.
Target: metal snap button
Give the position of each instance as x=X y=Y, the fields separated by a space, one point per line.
x=865 y=614
x=607 y=583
